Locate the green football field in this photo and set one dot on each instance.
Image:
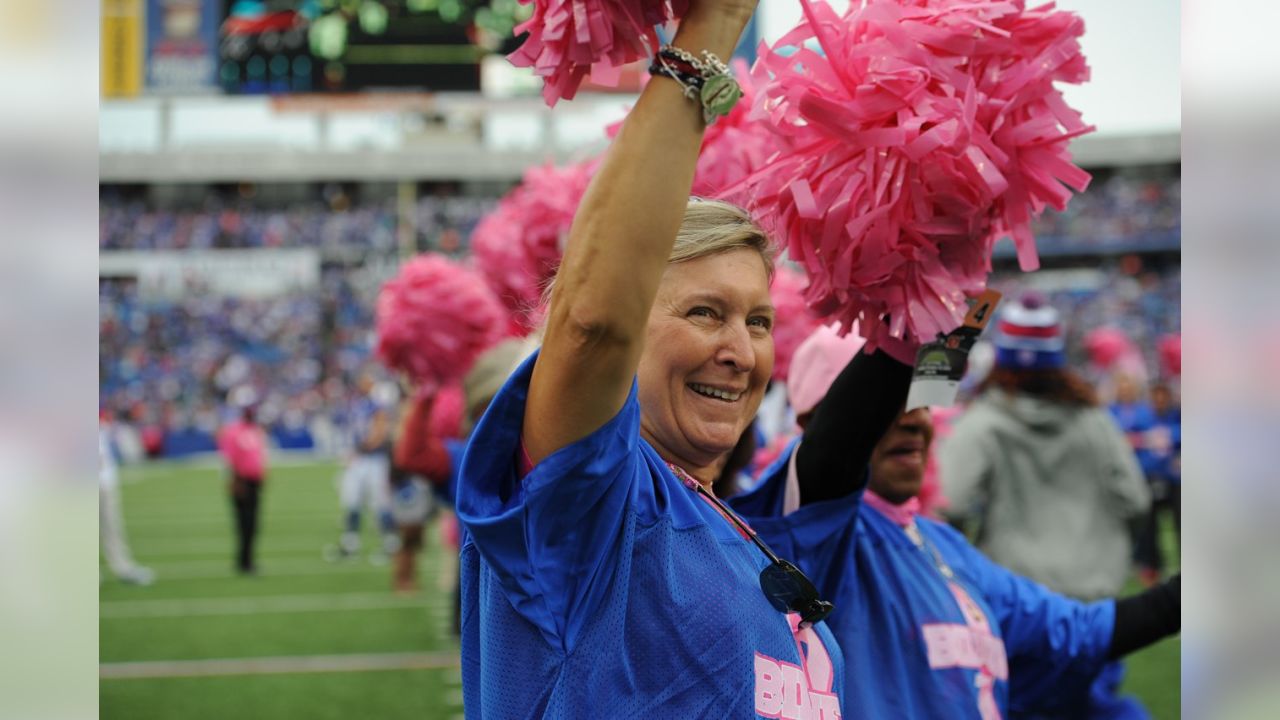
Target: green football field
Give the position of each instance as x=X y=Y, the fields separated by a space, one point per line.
x=306 y=638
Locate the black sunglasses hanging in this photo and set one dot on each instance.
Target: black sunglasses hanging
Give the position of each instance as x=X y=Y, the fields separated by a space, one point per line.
x=787 y=589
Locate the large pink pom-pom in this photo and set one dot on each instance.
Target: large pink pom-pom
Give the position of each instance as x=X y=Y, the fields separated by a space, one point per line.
x=518 y=246
x=793 y=320
x=923 y=132
x=434 y=318
x=571 y=39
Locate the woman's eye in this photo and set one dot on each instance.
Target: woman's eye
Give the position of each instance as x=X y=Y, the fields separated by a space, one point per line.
x=701 y=312
x=761 y=321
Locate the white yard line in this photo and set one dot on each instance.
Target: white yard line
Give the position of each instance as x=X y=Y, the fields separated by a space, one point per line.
x=278 y=665
x=120 y=609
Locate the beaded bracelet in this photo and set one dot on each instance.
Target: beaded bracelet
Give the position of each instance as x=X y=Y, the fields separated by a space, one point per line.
x=707 y=80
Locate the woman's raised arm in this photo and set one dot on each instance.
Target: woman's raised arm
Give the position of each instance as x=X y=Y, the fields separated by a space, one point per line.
x=618 y=247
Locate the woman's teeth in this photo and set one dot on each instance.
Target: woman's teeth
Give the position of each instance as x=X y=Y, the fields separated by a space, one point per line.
x=713 y=392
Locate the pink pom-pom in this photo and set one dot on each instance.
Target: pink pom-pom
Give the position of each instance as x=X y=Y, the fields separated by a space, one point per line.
x=923 y=132
x=501 y=258
x=571 y=39
x=446 y=412
x=932 y=499
x=434 y=318
x=793 y=320
x=518 y=246
x=733 y=147
x=1107 y=346
x=1170 y=351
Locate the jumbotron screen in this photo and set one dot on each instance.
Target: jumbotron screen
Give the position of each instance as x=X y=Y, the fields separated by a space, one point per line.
x=304 y=46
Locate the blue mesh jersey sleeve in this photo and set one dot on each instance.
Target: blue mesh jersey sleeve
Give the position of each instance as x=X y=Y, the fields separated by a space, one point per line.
x=918 y=644
x=551 y=536
x=1056 y=645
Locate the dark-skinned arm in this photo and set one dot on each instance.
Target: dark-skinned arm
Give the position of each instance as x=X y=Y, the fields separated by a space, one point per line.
x=861 y=405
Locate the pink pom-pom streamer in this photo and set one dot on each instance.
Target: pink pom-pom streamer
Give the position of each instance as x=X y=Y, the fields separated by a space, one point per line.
x=570 y=40
x=932 y=499
x=793 y=320
x=733 y=147
x=434 y=318
x=518 y=246
x=923 y=132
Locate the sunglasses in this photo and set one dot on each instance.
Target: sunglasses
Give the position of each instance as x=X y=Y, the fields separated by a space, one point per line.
x=787 y=589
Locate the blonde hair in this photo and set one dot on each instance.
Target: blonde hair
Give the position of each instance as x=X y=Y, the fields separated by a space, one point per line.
x=714 y=226
x=709 y=227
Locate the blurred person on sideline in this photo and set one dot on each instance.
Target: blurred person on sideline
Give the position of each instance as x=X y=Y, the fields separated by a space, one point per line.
x=110 y=518
x=930 y=627
x=439 y=459
x=1050 y=486
x=1162 y=443
x=366 y=480
x=243 y=445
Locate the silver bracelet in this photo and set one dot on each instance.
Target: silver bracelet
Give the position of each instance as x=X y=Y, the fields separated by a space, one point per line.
x=719 y=91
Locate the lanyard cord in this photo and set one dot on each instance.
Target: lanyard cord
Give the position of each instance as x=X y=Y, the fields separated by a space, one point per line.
x=724 y=510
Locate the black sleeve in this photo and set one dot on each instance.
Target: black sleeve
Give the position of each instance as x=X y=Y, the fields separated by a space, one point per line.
x=1147 y=617
x=863 y=402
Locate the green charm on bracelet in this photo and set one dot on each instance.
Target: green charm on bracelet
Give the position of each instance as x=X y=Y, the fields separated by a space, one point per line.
x=719 y=94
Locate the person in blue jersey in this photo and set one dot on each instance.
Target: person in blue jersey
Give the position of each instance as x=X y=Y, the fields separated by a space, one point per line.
x=1164 y=441
x=366 y=480
x=930 y=628
x=600 y=576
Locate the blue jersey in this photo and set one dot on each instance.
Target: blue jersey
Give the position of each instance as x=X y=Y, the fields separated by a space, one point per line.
x=599 y=586
x=363 y=411
x=917 y=644
x=1135 y=420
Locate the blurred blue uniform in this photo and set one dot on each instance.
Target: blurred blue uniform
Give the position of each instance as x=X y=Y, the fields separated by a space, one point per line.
x=984 y=643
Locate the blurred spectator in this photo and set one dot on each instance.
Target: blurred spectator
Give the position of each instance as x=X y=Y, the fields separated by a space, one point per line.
x=110 y=519
x=1043 y=471
x=243 y=445
x=1161 y=448
x=366 y=481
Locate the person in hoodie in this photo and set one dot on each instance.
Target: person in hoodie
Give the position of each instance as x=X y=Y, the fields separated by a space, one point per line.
x=1049 y=484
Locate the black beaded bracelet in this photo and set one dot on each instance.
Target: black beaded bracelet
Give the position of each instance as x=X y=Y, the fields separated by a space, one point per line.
x=690 y=82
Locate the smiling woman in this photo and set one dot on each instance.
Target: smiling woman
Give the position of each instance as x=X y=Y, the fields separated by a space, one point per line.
x=601 y=578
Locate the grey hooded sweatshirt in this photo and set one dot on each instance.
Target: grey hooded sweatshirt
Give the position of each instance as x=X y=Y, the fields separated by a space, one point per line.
x=1053 y=489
